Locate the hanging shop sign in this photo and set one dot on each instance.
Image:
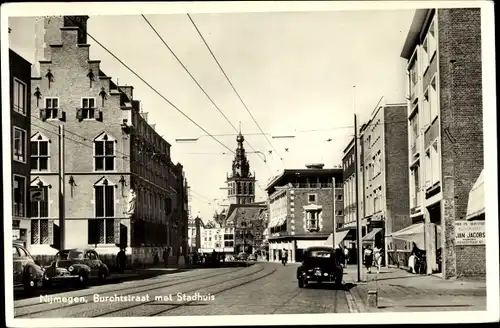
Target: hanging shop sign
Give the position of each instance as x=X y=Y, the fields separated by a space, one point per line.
x=470 y=233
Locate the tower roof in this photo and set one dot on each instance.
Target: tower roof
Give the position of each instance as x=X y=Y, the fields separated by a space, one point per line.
x=241 y=166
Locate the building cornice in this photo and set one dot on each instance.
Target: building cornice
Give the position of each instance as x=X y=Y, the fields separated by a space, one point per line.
x=413 y=36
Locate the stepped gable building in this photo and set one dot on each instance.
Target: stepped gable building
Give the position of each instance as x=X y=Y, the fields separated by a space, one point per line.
x=20 y=130
x=120 y=187
x=445 y=116
x=301 y=210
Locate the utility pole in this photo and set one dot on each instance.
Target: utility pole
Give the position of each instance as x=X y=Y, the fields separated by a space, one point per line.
x=333 y=215
x=62 y=223
x=359 y=234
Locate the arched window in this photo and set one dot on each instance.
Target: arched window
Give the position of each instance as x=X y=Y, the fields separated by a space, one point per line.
x=104 y=153
x=40 y=152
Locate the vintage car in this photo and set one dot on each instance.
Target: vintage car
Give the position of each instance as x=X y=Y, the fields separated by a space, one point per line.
x=78 y=265
x=242 y=256
x=27 y=274
x=320 y=264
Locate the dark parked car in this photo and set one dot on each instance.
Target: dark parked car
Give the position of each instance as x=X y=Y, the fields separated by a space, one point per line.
x=76 y=265
x=320 y=264
x=26 y=272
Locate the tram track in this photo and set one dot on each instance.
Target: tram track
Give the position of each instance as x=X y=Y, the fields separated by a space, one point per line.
x=47 y=307
x=231 y=284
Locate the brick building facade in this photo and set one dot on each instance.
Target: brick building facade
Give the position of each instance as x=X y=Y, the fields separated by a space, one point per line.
x=20 y=131
x=121 y=188
x=300 y=210
x=443 y=49
x=384 y=174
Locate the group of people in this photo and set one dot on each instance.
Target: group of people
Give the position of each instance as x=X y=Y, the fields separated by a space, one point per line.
x=372 y=257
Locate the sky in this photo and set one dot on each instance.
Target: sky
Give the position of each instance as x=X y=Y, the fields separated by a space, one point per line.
x=295 y=71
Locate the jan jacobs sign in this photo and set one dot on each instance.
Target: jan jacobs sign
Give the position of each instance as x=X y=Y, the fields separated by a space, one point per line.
x=470 y=233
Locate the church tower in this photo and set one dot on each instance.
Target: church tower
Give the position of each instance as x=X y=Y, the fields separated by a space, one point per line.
x=241 y=183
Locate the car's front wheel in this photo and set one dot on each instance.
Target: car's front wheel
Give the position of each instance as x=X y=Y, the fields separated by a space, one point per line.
x=29 y=285
x=301 y=283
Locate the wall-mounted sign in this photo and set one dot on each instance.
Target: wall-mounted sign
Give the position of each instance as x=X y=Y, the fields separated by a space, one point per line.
x=470 y=233
x=37 y=195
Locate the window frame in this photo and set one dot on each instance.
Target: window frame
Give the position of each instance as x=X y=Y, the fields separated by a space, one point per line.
x=51 y=109
x=432 y=90
x=35 y=184
x=111 y=185
x=315 y=196
x=35 y=138
x=23 y=198
x=309 y=220
x=87 y=109
x=38 y=222
x=100 y=138
x=105 y=235
x=14 y=108
x=25 y=156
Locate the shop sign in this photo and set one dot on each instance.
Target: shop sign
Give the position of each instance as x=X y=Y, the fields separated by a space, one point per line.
x=470 y=233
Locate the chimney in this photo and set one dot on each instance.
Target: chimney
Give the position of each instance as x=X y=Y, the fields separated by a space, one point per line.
x=317 y=166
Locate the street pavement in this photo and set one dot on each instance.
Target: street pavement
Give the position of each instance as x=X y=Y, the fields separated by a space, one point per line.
x=401 y=291
x=263 y=288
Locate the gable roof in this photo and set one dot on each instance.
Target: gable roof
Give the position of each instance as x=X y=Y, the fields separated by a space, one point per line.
x=245 y=212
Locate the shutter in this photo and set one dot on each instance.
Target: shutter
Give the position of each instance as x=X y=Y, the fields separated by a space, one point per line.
x=79 y=114
x=51 y=231
x=117 y=231
x=43 y=114
x=99 y=115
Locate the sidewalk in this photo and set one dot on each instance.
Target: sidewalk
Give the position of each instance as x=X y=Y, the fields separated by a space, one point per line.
x=140 y=273
x=399 y=290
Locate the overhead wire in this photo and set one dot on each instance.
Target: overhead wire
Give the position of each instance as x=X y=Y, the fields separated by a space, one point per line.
x=232 y=86
x=152 y=88
x=197 y=83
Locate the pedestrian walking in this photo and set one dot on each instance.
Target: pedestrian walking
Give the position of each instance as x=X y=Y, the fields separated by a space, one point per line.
x=377 y=255
x=121 y=258
x=368 y=258
x=284 y=257
x=156 y=258
x=165 y=257
x=346 y=256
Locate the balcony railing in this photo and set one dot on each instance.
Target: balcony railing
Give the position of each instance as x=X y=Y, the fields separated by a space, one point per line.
x=313 y=185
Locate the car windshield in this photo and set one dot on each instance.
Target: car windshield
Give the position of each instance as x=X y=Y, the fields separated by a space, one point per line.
x=71 y=255
x=320 y=254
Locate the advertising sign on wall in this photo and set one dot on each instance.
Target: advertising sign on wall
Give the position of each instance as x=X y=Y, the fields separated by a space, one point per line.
x=470 y=233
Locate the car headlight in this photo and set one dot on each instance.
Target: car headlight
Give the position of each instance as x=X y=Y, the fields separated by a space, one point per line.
x=70 y=269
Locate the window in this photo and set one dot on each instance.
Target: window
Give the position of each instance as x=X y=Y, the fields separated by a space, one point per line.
x=39 y=153
x=19 y=145
x=19 y=196
x=101 y=231
x=250 y=188
x=426 y=110
x=339 y=197
x=434 y=110
x=413 y=78
x=104 y=154
x=40 y=231
x=51 y=107
x=369 y=142
x=339 y=212
x=312 y=220
x=428 y=169
x=104 y=201
x=425 y=55
x=40 y=209
x=19 y=97
x=88 y=108
x=311 y=198
x=431 y=40
x=435 y=162
x=415 y=185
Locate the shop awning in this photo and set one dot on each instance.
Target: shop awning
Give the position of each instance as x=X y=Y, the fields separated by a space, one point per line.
x=339 y=237
x=415 y=233
x=276 y=222
x=370 y=237
x=475 y=206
